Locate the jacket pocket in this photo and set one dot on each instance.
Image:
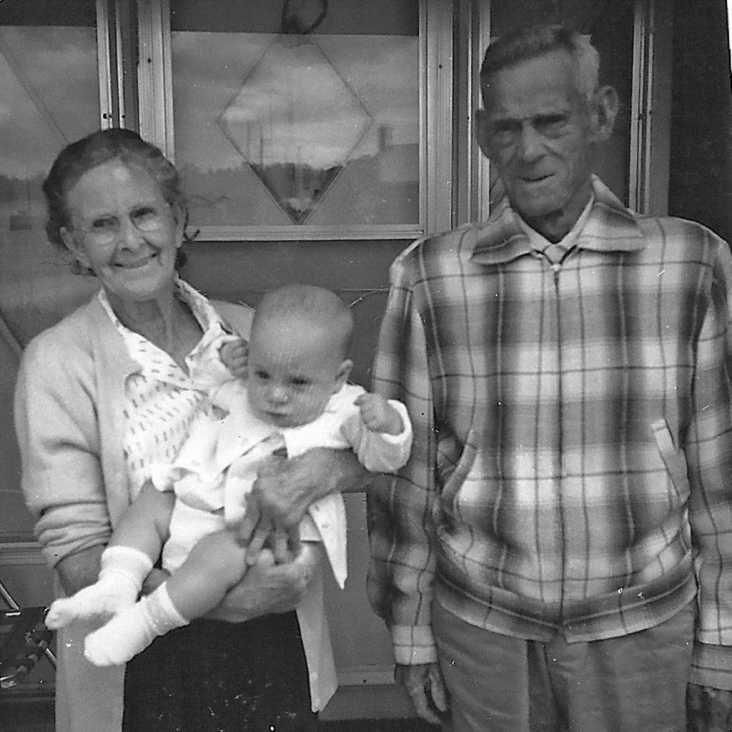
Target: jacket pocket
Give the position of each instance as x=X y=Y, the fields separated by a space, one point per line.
x=673 y=459
x=454 y=464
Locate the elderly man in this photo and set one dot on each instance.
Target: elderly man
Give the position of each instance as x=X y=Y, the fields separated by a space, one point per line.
x=557 y=554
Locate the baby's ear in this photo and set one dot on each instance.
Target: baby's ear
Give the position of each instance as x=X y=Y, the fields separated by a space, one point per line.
x=344 y=371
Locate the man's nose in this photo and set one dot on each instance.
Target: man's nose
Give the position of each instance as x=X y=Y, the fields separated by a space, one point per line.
x=530 y=143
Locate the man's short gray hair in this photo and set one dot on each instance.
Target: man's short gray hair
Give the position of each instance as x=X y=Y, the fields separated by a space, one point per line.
x=526 y=43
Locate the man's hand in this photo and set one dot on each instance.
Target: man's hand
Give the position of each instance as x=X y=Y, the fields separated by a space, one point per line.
x=426 y=689
x=268 y=587
x=284 y=489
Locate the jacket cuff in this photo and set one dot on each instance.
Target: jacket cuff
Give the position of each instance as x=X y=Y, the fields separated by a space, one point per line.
x=711 y=666
x=413 y=644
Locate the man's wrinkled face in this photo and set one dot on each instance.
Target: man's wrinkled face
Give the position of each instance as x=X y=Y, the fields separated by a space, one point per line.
x=538 y=130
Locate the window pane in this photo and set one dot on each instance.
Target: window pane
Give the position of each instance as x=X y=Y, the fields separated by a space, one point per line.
x=276 y=129
x=49 y=96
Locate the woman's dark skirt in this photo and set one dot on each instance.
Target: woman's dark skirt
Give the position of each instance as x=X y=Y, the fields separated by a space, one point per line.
x=224 y=677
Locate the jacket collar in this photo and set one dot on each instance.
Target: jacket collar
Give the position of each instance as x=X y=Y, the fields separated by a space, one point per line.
x=610 y=227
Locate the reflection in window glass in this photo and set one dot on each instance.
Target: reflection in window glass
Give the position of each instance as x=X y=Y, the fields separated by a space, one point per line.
x=286 y=129
x=48 y=97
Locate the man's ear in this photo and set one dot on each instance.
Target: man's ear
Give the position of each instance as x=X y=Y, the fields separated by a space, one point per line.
x=344 y=371
x=482 y=133
x=74 y=247
x=603 y=112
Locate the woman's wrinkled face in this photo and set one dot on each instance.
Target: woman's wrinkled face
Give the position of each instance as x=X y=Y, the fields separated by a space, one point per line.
x=122 y=229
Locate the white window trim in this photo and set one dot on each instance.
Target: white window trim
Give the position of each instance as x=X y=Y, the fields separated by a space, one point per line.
x=104 y=66
x=154 y=79
x=650 y=129
x=111 y=16
x=435 y=74
x=481 y=203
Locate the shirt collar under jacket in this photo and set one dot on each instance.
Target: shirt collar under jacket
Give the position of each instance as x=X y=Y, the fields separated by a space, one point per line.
x=502 y=238
x=541 y=244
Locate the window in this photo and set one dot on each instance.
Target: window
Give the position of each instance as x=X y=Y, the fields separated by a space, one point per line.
x=301 y=120
x=49 y=84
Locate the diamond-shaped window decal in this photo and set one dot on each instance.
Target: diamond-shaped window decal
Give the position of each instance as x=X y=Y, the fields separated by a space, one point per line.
x=296 y=122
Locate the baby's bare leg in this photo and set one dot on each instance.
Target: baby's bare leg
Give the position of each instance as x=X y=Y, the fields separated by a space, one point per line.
x=216 y=563
x=128 y=559
x=145 y=524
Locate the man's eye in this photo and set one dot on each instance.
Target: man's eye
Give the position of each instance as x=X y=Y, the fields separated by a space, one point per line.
x=503 y=131
x=107 y=223
x=550 y=124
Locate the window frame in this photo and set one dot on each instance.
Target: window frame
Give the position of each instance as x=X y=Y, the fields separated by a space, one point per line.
x=156 y=123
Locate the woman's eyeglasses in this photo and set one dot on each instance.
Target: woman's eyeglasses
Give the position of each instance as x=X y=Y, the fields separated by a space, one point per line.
x=147 y=219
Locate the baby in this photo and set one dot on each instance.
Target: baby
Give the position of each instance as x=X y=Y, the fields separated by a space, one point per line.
x=295 y=398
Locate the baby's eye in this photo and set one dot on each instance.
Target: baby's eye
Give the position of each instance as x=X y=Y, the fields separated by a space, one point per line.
x=262 y=375
x=300 y=383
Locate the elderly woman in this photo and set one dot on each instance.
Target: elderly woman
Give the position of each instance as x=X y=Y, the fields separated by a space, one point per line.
x=109 y=391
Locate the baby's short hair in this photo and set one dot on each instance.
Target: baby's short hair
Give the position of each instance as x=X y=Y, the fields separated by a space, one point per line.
x=316 y=307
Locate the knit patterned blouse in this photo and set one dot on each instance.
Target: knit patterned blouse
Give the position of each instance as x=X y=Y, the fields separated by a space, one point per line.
x=162 y=400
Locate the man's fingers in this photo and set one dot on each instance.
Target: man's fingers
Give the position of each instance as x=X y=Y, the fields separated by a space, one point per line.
x=422 y=706
x=426 y=689
x=437 y=688
x=257 y=542
x=250 y=520
x=280 y=546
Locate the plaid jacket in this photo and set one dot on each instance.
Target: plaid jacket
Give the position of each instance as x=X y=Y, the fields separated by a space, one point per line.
x=572 y=432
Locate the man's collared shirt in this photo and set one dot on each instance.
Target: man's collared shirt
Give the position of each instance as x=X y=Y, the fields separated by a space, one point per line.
x=572 y=435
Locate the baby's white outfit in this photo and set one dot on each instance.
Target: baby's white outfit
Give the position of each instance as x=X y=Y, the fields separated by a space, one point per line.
x=218 y=464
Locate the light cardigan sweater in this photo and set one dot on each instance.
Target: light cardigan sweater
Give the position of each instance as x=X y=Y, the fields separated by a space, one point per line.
x=70 y=425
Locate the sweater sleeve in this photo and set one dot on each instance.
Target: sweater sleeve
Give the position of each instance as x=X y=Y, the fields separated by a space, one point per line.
x=58 y=436
x=380 y=452
x=401 y=574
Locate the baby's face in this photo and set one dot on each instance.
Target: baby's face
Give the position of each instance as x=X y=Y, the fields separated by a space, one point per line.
x=292 y=374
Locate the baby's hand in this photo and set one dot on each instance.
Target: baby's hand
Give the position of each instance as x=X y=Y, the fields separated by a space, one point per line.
x=234 y=355
x=378 y=415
